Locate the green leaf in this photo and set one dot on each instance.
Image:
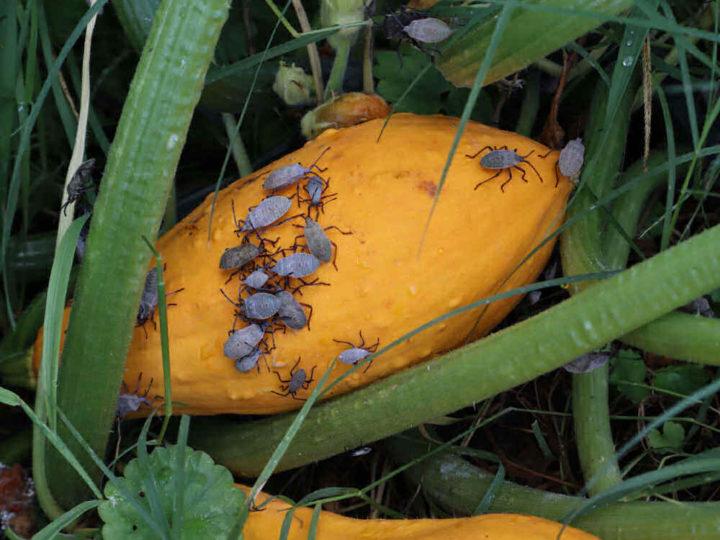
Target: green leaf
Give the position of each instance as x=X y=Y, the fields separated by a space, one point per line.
x=682 y=379
x=715 y=296
x=628 y=370
x=210 y=505
x=396 y=70
x=536 y=28
x=670 y=440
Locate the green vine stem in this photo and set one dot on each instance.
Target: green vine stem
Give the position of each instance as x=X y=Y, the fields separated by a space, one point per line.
x=676 y=335
x=135 y=188
x=482 y=369
x=682 y=336
x=339 y=67
x=457 y=486
x=531 y=35
x=581 y=252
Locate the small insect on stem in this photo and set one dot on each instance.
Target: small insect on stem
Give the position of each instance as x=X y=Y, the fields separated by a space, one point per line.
x=80 y=182
x=570 y=161
x=358 y=352
x=501 y=159
x=298 y=380
x=149 y=300
x=291 y=174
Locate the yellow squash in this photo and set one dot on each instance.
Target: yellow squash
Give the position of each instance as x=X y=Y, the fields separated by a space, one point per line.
x=386 y=283
x=268 y=522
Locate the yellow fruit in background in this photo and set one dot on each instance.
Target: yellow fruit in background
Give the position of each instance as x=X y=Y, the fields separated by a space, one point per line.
x=384 y=285
x=268 y=523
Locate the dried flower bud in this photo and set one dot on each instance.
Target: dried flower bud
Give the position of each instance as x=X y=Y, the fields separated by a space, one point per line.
x=293 y=85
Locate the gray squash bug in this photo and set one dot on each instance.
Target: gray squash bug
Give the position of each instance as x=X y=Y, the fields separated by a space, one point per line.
x=291 y=312
x=238 y=256
x=570 y=161
x=318 y=195
x=266 y=213
x=428 y=30
x=80 y=182
x=502 y=159
x=149 y=300
x=243 y=342
x=129 y=402
x=260 y=306
x=291 y=174
x=356 y=353
x=571 y=158
x=317 y=241
x=256 y=280
x=297 y=265
x=298 y=380
x=249 y=361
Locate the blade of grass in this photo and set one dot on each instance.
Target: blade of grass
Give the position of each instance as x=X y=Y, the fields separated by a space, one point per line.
x=671 y=179
x=179 y=478
x=284 y=443
x=67 y=118
x=480 y=76
x=127 y=494
x=152 y=493
x=314 y=521
x=491 y=492
x=52 y=530
x=164 y=338
x=46 y=395
x=11 y=399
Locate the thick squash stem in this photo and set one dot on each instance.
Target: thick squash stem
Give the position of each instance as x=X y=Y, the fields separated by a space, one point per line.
x=139 y=172
x=518 y=354
x=457 y=486
x=581 y=251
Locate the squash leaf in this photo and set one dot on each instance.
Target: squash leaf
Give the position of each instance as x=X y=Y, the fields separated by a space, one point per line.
x=396 y=70
x=628 y=370
x=670 y=440
x=682 y=379
x=211 y=503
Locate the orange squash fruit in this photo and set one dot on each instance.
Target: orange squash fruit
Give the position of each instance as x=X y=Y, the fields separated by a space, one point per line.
x=386 y=284
x=268 y=522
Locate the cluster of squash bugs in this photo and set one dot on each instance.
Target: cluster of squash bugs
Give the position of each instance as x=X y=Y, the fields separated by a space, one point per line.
x=270 y=275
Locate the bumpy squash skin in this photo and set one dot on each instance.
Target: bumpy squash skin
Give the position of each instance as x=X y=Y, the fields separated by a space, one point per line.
x=382 y=287
x=267 y=524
